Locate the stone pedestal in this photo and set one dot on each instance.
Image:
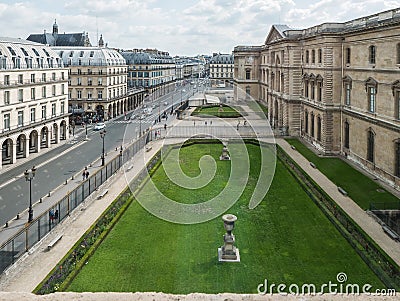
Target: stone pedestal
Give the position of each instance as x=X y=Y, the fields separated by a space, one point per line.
x=225 y=153
x=228 y=252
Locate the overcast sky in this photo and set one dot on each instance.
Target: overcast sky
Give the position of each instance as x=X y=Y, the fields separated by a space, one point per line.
x=181 y=27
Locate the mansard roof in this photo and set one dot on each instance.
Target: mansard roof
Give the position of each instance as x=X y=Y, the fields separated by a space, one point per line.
x=222 y=59
x=23 y=54
x=89 y=56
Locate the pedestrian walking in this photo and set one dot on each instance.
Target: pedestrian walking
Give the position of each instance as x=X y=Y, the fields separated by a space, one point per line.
x=84 y=175
x=87 y=174
x=210 y=122
x=155 y=134
x=194 y=122
x=51 y=215
x=165 y=126
x=56 y=215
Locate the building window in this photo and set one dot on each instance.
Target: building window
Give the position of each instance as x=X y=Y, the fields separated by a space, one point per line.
x=346 y=134
x=62 y=108
x=397 y=159
x=44 y=77
x=6 y=97
x=319 y=127
x=307 y=56
x=20 y=95
x=62 y=89
x=371 y=99
x=79 y=94
x=6 y=80
x=7 y=121
x=20 y=79
x=89 y=95
x=313 y=56
x=100 y=81
x=79 y=81
x=53 y=90
x=247 y=74
x=320 y=56
x=90 y=82
x=33 y=115
x=53 y=76
x=100 y=94
x=20 y=118
x=312 y=124
x=33 y=92
x=370 y=145
x=371 y=87
x=312 y=90
x=306 y=88
x=44 y=92
x=306 y=122
x=319 y=90
x=372 y=54
x=347 y=88
x=43 y=112
x=62 y=75
x=53 y=109
x=348 y=55
x=32 y=78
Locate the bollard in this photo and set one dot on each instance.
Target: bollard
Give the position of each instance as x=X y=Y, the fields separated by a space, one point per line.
x=72 y=177
x=6 y=225
x=49 y=193
x=66 y=181
x=40 y=200
x=17 y=215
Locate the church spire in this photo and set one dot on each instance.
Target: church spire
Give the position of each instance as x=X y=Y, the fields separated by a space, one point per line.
x=55 y=27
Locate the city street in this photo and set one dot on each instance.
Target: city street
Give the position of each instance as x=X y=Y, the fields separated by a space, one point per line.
x=57 y=165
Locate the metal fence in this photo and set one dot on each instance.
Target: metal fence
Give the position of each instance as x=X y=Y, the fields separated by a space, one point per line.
x=21 y=242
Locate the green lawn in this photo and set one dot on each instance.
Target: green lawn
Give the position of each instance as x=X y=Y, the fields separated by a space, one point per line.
x=286 y=239
x=360 y=188
x=223 y=112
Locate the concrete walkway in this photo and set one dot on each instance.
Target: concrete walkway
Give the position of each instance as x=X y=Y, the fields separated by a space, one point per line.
x=365 y=221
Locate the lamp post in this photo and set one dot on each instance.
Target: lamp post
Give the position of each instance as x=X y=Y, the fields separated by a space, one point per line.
x=29 y=175
x=103 y=135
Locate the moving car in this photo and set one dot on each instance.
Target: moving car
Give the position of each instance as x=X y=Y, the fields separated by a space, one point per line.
x=99 y=126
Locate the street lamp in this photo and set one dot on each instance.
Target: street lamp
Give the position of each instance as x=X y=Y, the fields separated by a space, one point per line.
x=29 y=175
x=103 y=135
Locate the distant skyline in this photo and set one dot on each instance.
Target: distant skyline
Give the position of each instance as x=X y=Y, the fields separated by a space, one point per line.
x=188 y=27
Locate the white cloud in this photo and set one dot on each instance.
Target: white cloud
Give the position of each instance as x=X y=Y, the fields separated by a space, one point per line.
x=180 y=27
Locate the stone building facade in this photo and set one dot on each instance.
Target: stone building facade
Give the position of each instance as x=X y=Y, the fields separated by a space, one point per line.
x=221 y=68
x=33 y=99
x=98 y=82
x=152 y=70
x=335 y=85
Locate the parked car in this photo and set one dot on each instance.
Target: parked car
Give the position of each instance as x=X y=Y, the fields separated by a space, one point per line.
x=99 y=126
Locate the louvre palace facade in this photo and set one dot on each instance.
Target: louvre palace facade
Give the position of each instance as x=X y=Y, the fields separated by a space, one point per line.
x=335 y=85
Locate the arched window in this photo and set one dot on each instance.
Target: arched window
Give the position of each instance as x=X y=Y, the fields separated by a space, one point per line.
x=313 y=56
x=346 y=134
x=372 y=54
x=307 y=56
x=370 y=145
x=319 y=80
x=320 y=56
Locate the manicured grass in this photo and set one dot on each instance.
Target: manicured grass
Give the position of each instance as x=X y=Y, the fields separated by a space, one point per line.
x=360 y=188
x=286 y=239
x=223 y=112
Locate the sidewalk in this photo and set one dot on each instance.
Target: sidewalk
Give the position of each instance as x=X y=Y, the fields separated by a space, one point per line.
x=365 y=221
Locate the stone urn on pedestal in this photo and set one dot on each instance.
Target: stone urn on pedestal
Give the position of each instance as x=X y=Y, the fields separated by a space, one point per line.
x=228 y=252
